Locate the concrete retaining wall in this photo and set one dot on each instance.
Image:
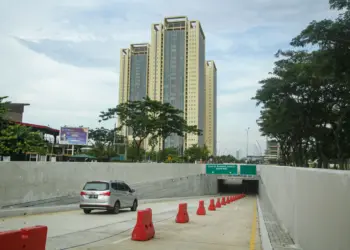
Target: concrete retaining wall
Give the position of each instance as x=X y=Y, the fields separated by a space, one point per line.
x=31 y=181
x=312 y=204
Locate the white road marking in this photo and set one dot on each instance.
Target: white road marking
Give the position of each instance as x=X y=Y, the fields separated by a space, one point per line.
x=121 y=240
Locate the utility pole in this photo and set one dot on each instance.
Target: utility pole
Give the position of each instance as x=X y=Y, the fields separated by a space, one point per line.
x=247 y=130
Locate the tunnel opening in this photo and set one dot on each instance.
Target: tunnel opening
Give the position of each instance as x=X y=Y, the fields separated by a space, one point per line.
x=249 y=187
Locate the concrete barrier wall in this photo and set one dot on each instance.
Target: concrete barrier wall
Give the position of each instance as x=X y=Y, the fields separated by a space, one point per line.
x=194 y=185
x=31 y=181
x=312 y=204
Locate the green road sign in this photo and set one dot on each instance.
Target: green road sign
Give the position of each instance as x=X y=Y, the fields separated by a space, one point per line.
x=221 y=169
x=248 y=169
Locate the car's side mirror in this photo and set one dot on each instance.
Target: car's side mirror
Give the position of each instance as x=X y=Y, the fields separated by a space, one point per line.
x=132 y=190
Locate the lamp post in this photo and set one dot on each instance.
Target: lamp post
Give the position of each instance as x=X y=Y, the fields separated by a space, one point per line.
x=247 y=130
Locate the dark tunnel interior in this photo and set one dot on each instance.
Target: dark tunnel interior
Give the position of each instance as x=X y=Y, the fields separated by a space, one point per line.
x=250 y=187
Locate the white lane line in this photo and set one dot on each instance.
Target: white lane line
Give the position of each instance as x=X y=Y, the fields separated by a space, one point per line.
x=121 y=240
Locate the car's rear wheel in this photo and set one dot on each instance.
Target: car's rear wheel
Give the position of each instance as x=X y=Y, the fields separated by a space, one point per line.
x=134 y=206
x=116 y=208
x=87 y=211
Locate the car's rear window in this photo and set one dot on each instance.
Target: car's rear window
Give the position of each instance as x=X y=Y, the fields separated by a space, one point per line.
x=97 y=186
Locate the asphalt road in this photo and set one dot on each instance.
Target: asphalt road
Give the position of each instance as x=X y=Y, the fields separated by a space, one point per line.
x=228 y=227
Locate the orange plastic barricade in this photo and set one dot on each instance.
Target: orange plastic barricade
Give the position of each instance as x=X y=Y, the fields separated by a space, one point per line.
x=34 y=238
x=142 y=229
x=212 y=205
x=149 y=223
x=218 y=204
x=30 y=238
x=182 y=214
x=11 y=240
x=223 y=202
x=201 y=208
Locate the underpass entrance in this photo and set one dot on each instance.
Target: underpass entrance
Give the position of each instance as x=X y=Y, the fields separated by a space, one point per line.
x=238 y=186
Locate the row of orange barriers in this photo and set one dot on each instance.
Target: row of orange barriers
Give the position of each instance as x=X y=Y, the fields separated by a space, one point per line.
x=144 y=229
x=29 y=238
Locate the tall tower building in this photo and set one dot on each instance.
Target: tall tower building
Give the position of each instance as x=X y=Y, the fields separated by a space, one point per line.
x=210 y=106
x=177 y=73
x=134 y=74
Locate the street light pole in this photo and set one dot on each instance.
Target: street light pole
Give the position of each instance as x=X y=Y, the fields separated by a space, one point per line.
x=247 y=130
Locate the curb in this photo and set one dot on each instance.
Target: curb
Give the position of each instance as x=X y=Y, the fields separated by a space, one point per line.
x=5 y=213
x=265 y=239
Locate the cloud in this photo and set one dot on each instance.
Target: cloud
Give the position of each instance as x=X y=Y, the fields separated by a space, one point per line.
x=63 y=56
x=59 y=94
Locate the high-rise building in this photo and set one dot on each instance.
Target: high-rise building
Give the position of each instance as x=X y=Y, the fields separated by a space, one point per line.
x=272 y=150
x=210 y=106
x=173 y=70
x=134 y=73
x=237 y=154
x=177 y=73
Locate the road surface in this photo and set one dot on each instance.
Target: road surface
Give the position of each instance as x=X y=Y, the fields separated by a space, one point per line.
x=231 y=227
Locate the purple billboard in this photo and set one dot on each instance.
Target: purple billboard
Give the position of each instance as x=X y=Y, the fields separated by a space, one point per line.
x=74 y=136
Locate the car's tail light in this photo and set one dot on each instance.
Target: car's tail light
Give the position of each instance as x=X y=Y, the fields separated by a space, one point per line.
x=82 y=193
x=106 y=193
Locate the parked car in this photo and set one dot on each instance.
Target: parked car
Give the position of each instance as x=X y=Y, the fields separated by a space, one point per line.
x=107 y=195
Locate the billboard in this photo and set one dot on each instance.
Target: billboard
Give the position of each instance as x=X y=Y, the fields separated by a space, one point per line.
x=74 y=136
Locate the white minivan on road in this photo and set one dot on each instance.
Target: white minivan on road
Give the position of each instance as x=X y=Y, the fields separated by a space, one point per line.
x=107 y=195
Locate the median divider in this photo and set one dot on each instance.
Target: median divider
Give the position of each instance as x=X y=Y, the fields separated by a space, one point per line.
x=30 y=238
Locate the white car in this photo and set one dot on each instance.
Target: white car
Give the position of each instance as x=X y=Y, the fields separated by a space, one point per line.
x=107 y=195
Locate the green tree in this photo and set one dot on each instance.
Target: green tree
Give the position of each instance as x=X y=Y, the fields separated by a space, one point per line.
x=168 y=120
x=102 y=143
x=306 y=100
x=225 y=159
x=17 y=139
x=135 y=154
x=149 y=118
x=132 y=115
x=3 y=111
x=196 y=153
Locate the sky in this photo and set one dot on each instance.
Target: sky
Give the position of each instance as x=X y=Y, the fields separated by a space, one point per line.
x=62 y=56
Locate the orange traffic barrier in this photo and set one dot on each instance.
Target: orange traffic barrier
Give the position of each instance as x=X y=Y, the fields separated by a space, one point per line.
x=223 y=202
x=30 y=238
x=212 y=205
x=201 y=208
x=228 y=200
x=182 y=214
x=11 y=240
x=35 y=237
x=149 y=222
x=231 y=199
x=143 y=228
x=218 y=204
